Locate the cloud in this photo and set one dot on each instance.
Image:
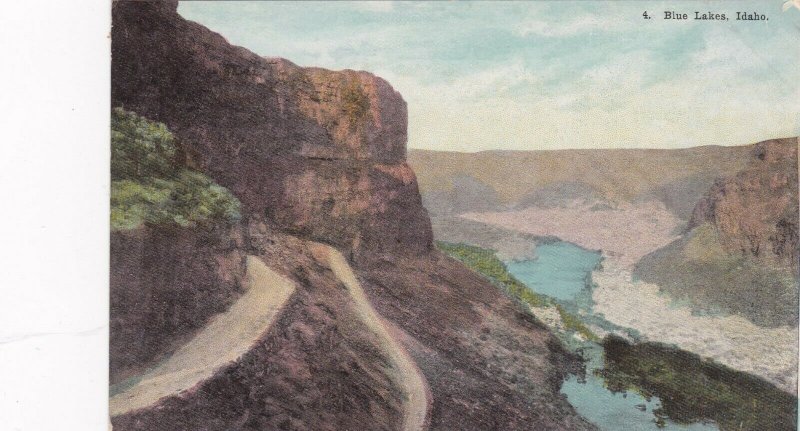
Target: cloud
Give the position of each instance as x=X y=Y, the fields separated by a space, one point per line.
x=611 y=105
x=472 y=83
x=373 y=6
x=572 y=25
x=554 y=29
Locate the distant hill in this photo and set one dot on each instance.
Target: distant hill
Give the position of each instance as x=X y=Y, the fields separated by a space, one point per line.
x=453 y=183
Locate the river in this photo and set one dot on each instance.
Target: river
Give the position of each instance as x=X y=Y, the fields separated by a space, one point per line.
x=562 y=272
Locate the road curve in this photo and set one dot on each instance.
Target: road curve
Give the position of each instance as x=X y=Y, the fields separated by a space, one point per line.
x=404 y=370
x=227 y=337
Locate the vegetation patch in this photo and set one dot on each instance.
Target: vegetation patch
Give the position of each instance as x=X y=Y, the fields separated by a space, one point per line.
x=356 y=103
x=148 y=186
x=486 y=263
x=573 y=323
x=692 y=389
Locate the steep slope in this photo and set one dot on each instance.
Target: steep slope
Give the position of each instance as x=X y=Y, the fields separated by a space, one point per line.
x=228 y=336
x=166 y=283
x=318 y=367
x=316 y=155
x=315 y=152
x=406 y=373
x=176 y=246
x=740 y=253
x=755 y=212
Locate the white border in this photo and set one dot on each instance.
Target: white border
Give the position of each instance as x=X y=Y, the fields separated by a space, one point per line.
x=54 y=122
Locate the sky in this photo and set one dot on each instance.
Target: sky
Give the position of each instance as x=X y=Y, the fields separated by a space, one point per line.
x=547 y=75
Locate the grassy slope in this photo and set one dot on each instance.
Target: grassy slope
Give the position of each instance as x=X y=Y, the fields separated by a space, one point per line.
x=486 y=263
x=150 y=186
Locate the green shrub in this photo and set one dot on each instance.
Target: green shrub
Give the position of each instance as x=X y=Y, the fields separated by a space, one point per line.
x=571 y=322
x=149 y=187
x=140 y=148
x=692 y=388
x=486 y=263
x=356 y=103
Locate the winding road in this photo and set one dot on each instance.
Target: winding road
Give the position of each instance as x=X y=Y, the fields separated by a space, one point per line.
x=404 y=372
x=231 y=334
x=227 y=337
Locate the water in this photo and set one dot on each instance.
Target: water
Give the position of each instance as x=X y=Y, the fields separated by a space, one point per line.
x=562 y=271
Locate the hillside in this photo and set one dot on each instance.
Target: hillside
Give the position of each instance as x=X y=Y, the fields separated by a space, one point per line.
x=316 y=156
x=699 y=245
x=740 y=253
x=453 y=183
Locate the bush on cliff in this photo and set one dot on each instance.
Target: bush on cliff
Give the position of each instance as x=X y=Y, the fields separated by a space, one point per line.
x=486 y=263
x=149 y=187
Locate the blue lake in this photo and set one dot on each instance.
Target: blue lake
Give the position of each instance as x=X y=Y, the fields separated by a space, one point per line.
x=562 y=271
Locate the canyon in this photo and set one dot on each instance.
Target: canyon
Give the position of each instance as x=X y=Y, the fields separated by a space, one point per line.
x=314 y=157
x=699 y=245
x=323 y=302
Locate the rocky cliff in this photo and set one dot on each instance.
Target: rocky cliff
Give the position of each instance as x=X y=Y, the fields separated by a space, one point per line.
x=320 y=155
x=755 y=212
x=739 y=253
x=456 y=183
x=167 y=282
x=311 y=151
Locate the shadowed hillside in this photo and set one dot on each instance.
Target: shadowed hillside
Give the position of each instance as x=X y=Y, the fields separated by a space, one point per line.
x=741 y=252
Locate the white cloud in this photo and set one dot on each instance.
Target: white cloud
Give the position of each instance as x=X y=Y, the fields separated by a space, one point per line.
x=571 y=26
x=557 y=29
x=374 y=6
x=610 y=106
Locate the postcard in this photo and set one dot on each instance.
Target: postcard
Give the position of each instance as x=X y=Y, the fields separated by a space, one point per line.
x=454 y=215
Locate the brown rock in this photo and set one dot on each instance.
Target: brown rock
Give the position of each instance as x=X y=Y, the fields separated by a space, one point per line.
x=756 y=211
x=308 y=150
x=165 y=284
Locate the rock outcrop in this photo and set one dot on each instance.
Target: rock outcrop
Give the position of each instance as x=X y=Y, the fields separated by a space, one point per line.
x=505 y=180
x=165 y=284
x=739 y=253
x=313 y=152
x=755 y=212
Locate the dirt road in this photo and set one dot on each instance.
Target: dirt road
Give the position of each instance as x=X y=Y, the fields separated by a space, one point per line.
x=404 y=371
x=228 y=336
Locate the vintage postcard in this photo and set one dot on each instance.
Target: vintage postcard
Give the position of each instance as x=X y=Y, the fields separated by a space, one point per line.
x=454 y=215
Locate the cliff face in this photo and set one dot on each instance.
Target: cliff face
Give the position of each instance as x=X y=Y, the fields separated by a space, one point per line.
x=165 y=284
x=755 y=212
x=740 y=251
x=457 y=183
x=311 y=151
x=316 y=155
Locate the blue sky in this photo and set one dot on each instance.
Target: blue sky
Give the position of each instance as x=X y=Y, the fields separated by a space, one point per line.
x=547 y=75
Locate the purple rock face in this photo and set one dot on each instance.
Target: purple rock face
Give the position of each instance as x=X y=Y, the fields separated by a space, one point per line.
x=310 y=151
x=165 y=284
x=756 y=211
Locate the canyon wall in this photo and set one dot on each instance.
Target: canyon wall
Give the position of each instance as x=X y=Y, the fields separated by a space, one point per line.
x=320 y=155
x=456 y=183
x=739 y=253
x=312 y=152
x=755 y=212
x=165 y=284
